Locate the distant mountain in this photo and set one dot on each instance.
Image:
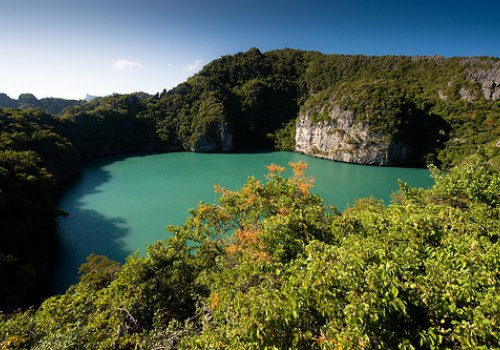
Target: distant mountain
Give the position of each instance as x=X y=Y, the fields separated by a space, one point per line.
x=140 y=94
x=89 y=97
x=28 y=101
x=6 y=101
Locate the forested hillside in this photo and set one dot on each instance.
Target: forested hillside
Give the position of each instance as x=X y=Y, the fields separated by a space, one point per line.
x=423 y=109
x=438 y=109
x=33 y=158
x=420 y=273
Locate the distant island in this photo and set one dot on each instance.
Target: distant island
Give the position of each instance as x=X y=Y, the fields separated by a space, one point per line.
x=50 y=105
x=89 y=97
x=396 y=275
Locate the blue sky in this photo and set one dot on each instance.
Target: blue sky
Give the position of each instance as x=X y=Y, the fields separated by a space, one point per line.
x=72 y=47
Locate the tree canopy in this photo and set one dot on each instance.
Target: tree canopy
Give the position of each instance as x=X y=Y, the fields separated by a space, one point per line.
x=272 y=266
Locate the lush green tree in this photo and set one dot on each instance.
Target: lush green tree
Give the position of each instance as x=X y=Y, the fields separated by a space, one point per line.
x=32 y=159
x=109 y=125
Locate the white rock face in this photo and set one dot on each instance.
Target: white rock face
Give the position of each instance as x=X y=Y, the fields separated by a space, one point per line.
x=466 y=95
x=489 y=80
x=219 y=138
x=441 y=95
x=343 y=139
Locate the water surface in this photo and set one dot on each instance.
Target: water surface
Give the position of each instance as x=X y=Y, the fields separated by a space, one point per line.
x=119 y=205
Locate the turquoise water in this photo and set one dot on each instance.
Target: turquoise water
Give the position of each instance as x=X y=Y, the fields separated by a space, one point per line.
x=119 y=205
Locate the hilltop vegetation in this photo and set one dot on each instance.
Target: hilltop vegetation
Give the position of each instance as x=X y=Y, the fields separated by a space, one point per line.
x=255 y=95
x=251 y=100
x=108 y=125
x=440 y=109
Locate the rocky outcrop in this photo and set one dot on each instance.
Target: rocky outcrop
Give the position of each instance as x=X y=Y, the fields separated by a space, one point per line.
x=482 y=76
x=218 y=138
x=466 y=94
x=342 y=138
x=488 y=78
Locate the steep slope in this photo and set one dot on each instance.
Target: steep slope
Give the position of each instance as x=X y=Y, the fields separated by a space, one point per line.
x=400 y=110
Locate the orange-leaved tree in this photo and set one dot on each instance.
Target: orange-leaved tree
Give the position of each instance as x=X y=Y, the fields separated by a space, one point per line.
x=262 y=220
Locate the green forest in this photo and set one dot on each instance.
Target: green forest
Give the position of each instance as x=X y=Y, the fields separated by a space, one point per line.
x=270 y=266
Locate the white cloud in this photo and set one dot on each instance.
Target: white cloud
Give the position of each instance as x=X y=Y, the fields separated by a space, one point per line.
x=193 y=67
x=124 y=65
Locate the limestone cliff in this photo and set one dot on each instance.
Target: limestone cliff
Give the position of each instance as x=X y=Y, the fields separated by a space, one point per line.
x=342 y=138
x=488 y=78
x=482 y=79
x=217 y=138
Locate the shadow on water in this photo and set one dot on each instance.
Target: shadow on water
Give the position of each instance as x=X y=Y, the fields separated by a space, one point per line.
x=101 y=235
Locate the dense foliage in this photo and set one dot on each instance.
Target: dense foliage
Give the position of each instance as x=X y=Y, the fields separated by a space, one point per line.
x=250 y=93
x=108 y=125
x=271 y=266
x=382 y=295
x=32 y=158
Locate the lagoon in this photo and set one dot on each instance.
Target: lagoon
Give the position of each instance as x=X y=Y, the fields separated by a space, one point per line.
x=119 y=205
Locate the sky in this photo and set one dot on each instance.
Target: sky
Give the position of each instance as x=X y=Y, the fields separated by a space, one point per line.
x=70 y=48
